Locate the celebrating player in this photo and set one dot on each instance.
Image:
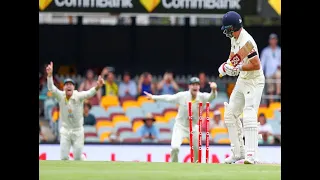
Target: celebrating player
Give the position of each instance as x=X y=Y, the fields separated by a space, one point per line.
x=71 y=114
x=246 y=95
x=181 y=126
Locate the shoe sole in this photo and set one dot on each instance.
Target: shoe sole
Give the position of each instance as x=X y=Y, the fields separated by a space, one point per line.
x=247 y=162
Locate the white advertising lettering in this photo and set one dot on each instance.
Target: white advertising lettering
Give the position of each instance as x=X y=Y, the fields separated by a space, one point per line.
x=94 y=3
x=153 y=153
x=202 y=4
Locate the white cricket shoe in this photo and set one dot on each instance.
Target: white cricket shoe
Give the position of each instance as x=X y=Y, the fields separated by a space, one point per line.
x=232 y=159
x=249 y=161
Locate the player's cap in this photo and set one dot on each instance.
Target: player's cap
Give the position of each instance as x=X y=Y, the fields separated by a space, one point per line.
x=231 y=20
x=68 y=80
x=216 y=112
x=273 y=36
x=149 y=116
x=194 y=80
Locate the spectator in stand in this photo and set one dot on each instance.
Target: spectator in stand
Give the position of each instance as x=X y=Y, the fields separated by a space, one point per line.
x=271 y=65
x=149 y=132
x=168 y=84
x=46 y=101
x=217 y=122
x=88 y=118
x=145 y=84
x=110 y=88
x=265 y=130
x=204 y=84
x=54 y=124
x=127 y=87
x=87 y=84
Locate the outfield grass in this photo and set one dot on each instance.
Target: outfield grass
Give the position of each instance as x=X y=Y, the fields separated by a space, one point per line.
x=90 y=170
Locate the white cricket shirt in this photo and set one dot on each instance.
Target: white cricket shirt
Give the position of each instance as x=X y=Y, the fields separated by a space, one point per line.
x=71 y=111
x=236 y=44
x=182 y=99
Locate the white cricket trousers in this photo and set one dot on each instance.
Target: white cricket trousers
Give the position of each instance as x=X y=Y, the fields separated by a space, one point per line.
x=245 y=98
x=71 y=138
x=180 y=132
x=246 y=93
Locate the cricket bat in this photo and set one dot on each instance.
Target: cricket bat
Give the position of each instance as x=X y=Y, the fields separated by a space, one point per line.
x=241 y=54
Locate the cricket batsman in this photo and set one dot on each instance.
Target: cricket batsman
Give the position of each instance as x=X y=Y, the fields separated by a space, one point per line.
x=246 y=95
x=181 y=126
x=71 y=114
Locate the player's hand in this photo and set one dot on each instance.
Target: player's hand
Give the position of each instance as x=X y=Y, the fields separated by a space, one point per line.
x=49 y=69
x=148 y=94
x=232 y=71
x=100 y=82
x=221 y=69
x=213 y=85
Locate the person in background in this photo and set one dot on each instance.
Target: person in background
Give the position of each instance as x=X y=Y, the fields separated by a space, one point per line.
x=127 y=87
x=110 y=88
x=46 y=102
x=87 y=84
x=148 y=132
x=88 y=119
x=168 y=84
x=271 y=65
x=145 y=84
x=265 y=130
x=204 y=85
x=217 y=122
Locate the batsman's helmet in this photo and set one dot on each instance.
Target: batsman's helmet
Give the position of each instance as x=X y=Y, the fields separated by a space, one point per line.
x=231 y=22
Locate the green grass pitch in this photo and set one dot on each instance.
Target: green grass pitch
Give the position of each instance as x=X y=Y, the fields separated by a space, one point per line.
x=91 y=170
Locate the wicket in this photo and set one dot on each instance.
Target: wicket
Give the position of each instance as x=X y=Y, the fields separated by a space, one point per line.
x=200 y=131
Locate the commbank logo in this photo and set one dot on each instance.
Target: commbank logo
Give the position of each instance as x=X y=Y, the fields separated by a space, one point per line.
x=150 y=5
x=43 y=4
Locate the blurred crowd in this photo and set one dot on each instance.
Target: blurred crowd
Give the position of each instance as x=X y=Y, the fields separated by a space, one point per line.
x=129 y=88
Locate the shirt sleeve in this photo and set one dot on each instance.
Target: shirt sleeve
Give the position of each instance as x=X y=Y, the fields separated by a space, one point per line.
x=208 y=97
x=156 y=132
x=121 y=90
x=172 y=98
x=52 y=88
x=133 y=89
x=87 y=94
x=140 y=131
x=263 y=59
x=269 y=128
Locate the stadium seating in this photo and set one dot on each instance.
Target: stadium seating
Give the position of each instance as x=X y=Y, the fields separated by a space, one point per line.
x=151 y=107
x=124 y=117
x=92 y=139
x=215 y=131
x=98 y=111
x=107 y=101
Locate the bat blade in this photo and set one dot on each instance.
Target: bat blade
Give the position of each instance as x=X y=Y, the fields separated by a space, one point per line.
x=243 y=52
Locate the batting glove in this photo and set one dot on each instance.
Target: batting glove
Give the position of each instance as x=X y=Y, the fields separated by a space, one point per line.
x=232 y=71
x=222 y=70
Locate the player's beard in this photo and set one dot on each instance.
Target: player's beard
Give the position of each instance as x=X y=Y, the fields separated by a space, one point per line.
x=69 y=92
x=194 y=92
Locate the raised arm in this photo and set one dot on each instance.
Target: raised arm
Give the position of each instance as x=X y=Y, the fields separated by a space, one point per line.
x=208 y=97
x=51 y=87
x=174 y=98
x=91 y=92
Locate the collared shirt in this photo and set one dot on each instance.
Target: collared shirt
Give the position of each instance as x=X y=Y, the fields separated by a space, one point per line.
x=153 y=130
x=131 y=86
x=182 y=99
x=236 y=45
x=71 y=111
x=270 y=60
